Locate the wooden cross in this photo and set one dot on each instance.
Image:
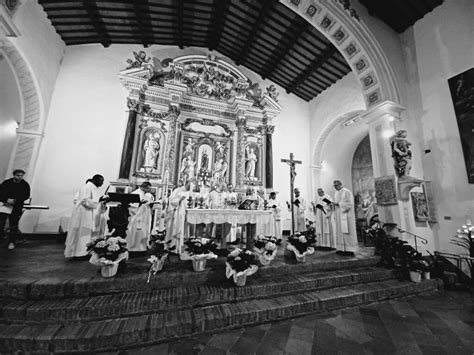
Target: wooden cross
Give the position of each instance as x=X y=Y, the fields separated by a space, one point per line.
x=292 y=163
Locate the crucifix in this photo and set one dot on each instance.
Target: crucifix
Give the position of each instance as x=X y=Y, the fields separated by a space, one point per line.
x=292 y=163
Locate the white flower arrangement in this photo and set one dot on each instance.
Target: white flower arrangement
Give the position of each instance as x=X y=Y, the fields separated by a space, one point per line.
x=266 y=248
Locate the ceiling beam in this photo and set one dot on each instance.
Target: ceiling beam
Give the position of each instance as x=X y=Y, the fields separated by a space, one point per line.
x=96 y=19
x=259 y=22
x=142 y=15
x=296 y=29
x=325 y=55
x=179 y=13
x=216 y=28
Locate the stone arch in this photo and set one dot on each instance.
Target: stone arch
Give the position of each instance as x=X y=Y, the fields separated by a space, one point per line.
x=356 y=43
x=29 y=132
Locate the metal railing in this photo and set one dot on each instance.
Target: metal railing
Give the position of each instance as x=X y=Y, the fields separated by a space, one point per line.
x=459 y=258
x=416 y=237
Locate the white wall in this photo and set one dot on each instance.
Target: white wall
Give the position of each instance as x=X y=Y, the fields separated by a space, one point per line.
x=438 y=47
x=10 y=112
x=87 y=120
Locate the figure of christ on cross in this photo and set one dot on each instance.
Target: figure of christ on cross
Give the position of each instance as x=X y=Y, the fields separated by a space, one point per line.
x=292 y=163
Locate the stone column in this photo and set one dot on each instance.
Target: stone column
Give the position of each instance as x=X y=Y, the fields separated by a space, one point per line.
x=382 y=121
x=128 y=142
x=240 y=123
x=173 y=114
x=269 y=157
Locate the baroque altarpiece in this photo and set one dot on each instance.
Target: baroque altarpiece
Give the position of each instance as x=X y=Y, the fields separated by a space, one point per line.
x=196 y=117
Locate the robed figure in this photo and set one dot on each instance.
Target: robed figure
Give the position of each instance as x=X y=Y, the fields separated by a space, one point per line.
x=176 y=215
x=139 y=227
x=275 y=205
x=346 y=237
x=299 y=211
x=87 y=218
x=324 y=218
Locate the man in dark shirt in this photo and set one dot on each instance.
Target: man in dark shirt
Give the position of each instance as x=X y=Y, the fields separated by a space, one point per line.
x=13 y=193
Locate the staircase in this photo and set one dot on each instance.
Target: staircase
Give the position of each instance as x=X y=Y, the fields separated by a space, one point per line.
x=95 y=314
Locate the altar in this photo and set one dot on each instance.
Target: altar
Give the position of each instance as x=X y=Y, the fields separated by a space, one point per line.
x=263 y=221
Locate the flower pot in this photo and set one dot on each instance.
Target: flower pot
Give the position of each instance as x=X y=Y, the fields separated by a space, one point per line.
x=426 y=275
x=158 y=265
x=263 y=260
x=240 y=279
x=300 y=258
x=415 y=276
x=199 y=265
x=109 y=270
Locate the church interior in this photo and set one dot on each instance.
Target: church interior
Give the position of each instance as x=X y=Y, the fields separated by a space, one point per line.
x=296 y=132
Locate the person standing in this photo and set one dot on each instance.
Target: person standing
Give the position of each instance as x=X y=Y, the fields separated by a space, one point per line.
x=299 y=208
x=323 y=211
x=13 y=193
x=85 y=221
x=138 y=232
x=346 y=237
x=275 y=205
x=176 y=215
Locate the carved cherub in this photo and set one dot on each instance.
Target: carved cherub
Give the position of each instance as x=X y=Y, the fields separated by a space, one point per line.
x=271 y=91
x=140 y=60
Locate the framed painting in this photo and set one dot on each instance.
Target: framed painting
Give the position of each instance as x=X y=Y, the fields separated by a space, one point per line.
x=462 y=94
x=420 y=206
x=386 y=190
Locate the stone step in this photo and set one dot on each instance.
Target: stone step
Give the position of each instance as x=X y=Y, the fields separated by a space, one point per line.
x=126 y=332
x=134 y=278
x=171 y=299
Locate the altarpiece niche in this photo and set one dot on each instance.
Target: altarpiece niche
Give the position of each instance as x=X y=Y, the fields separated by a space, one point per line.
x=198 y=118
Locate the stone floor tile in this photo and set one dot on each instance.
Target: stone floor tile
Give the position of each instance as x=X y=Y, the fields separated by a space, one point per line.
x=298 y=347
x=225 y=341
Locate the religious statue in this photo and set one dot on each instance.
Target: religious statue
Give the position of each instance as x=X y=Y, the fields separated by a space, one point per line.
x=271 y=91
x=151 y=149
x=189 y=148
x=140 y=60
x=401 y=153
x=204 y=160
x=187 y=169
x=251 y=161
x=220 y=150
x=220 y=170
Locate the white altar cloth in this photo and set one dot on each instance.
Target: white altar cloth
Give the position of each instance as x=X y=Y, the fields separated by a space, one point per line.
x=264 y=220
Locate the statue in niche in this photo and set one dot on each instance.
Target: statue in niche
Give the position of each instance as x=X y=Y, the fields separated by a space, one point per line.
x=204 y=160
x=250 y=163
x=187 y=169
x=401 y=154
x=220 y=150
x=151 y=149
x=220 y=171
x=189 y=148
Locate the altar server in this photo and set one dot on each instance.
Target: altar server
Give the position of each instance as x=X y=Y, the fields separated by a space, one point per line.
x=299 y=208
x=139 y=227
x=275 y=205
x=324 y=218
x=346 y=237
x=176 y=215
x=86 y=219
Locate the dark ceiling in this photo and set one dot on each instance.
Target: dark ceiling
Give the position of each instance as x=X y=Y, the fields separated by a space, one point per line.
x=400 y=14
x=262 y=35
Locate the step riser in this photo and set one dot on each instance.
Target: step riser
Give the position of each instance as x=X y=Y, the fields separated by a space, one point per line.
x=153 y=328
x=157 y=301
x=88 y=286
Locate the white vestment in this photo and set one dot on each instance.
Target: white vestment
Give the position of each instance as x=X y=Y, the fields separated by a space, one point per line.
x=139 y=226
x=275 y=205
x=325 y=223
x=346 y=237
x=175 y=217
x=86 y=221
x=299 y=215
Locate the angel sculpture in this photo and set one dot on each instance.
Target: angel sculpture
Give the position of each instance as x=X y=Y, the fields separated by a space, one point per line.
x=271 y=91
x=157 y=74
x=140 y=60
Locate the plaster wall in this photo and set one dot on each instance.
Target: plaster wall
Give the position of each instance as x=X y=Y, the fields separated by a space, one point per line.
x=436 y=48
x=10 y=113
x=86 y=126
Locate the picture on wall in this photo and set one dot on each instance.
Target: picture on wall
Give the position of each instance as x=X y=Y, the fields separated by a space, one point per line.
x=462 y=94
x=420 y=206
x=386 y=190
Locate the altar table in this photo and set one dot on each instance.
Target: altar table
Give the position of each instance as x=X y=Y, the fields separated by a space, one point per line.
x=264 y=220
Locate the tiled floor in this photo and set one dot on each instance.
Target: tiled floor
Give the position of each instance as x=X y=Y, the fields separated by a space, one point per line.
x=441 y=323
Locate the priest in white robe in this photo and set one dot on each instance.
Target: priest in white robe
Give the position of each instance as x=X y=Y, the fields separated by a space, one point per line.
x=346 y=237
x=324 y=218
x=299 y=211
x=275 y=205
x=86 y=220
x=176 y=215
x=139 y=227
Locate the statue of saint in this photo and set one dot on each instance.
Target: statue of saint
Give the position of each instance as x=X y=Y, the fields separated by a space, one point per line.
x=151 y=148
x=401 y=153
x=204 y=161
x=251 y=161
x=187 y=169
x=220 y=170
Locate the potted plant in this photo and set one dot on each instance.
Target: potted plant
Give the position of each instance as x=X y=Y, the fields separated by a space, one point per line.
x=199 y=251
x=107 y=252
x=158 y=250
x=266 y=248
x=301 y=244
x=240 y=264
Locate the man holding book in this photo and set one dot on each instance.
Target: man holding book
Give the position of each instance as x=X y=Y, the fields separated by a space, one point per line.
x=324 y=217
